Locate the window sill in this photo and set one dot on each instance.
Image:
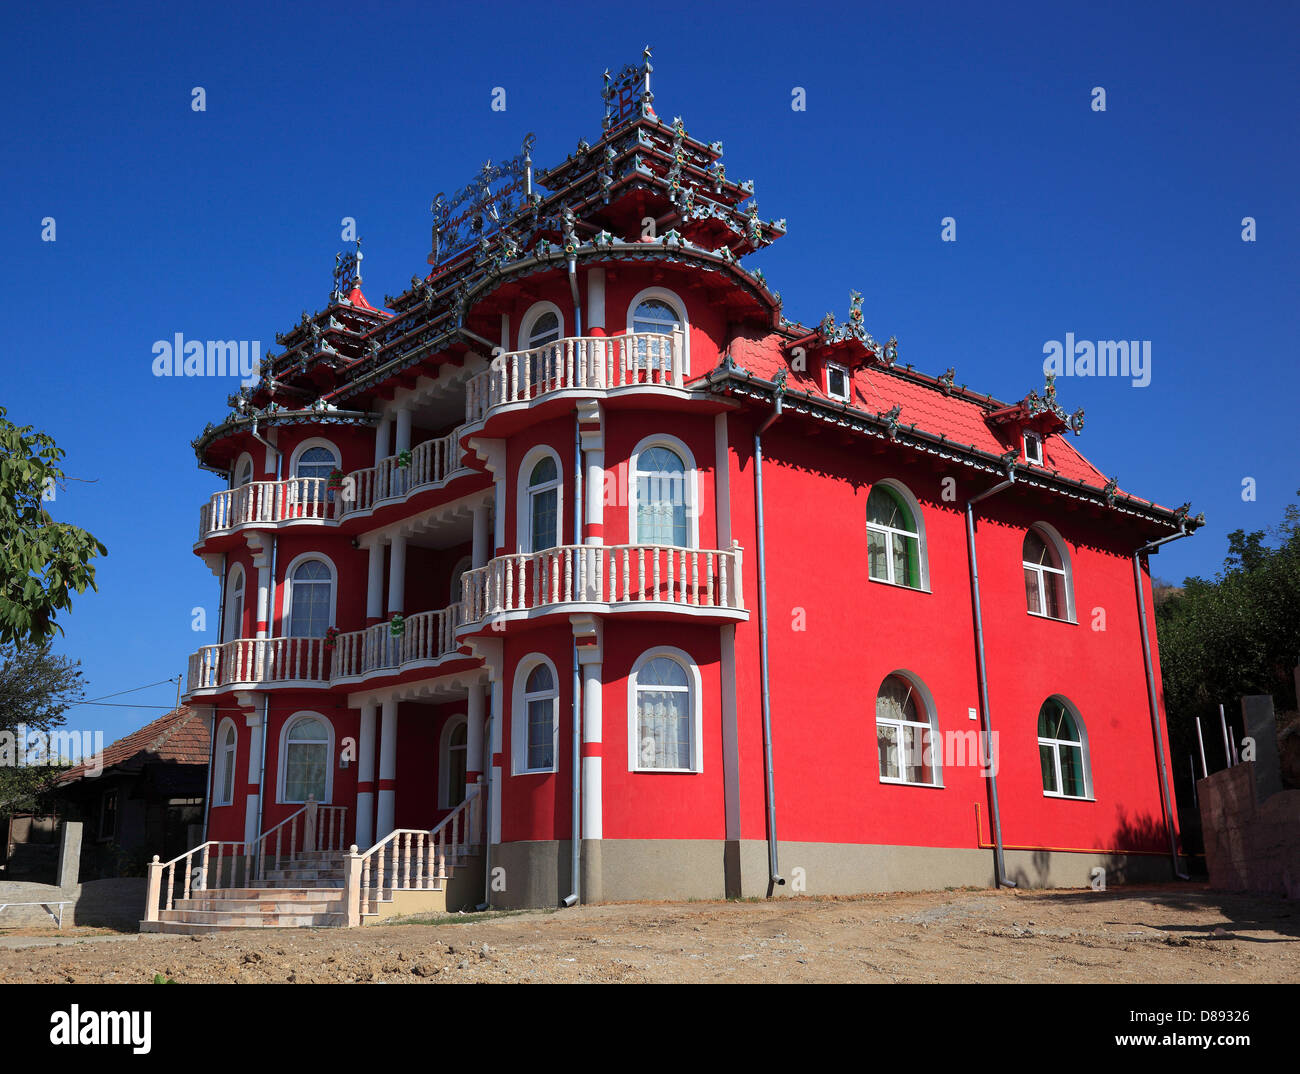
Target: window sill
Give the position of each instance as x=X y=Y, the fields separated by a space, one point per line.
x=910 y=783
x=1052 y=618
x=665 y=771
x=899 y=585
x=1069 y=797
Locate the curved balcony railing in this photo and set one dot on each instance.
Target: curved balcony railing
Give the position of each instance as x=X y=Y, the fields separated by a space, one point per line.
x=688 y=578
x=267 y=503
x=585 y=363
x=259 y=662
x=431 y=463
x=427 y=636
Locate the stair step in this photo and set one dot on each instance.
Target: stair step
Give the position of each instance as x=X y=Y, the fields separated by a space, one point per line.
x=263 y=906
x=279 y=894
x=190 y=928
x=252 y=919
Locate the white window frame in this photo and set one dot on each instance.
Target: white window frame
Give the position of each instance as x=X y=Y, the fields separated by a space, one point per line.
x=459 y=719
x=293 y=492
x=1057 y=743
x=922 y=553
x=848 y=381
x=519 y=716
x=531 y=316
x=286 y=610
x=464 y=564
x=523 y=499
x=1050 y=536
x=282 y=757
x=230 y=619
x=1037 y=441
x=225 y=758
x=696 y=712
x=244 y=459
x=925 y=701
x=662 y=294
x=692 y=481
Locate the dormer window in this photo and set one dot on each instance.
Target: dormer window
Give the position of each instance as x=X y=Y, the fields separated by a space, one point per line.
x=1034 y=449
x=837 y=382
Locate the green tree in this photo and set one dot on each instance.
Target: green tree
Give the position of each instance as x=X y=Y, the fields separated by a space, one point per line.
x=36 y=689
x=42 y=562
x=1236 y=634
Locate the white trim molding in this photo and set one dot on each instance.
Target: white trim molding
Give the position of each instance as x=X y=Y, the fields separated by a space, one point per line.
x=695 y=701
x=531 y=316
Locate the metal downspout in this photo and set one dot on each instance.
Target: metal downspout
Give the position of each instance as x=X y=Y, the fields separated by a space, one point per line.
x=773 y=865
x=575 y=838
x=995 y=816
x=270 y=633
x=1165 y=798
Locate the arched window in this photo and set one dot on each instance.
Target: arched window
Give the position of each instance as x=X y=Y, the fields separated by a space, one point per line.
x=457 y=573
x=541 y=520
x=310 y=599
x=545 y=329
x=455 y=739
x=1046 y=582
x=660 y=313
x=906 y=734
x=895 y=546
x=313 y=463
x=305 y=749
x=665 y=731
x=243 y=473
x=234 y=625
x=664 y=492
x=223 y=779
x=1063 y=751
x=542 y=325
x=535 y=717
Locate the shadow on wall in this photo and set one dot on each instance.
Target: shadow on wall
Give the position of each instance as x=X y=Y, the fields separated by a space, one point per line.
x=1042 y=868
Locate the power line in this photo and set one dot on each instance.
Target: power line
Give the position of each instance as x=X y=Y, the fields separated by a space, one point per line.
x=135 y=689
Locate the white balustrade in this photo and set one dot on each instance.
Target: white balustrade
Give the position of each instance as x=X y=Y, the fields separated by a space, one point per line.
x=259 y=661
x=604 y=574
x=267 y=503
x=426 y=636
x=430 y=463
x=592 y=363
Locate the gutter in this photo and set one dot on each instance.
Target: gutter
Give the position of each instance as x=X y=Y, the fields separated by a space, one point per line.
x=575 y=837
x=995 y=816
x=774 y=877
x=1165 y=798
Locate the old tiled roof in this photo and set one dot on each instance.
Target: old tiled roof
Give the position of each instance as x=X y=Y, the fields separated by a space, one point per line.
x=180 y=737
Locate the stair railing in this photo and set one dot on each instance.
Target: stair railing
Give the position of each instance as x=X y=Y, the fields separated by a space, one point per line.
x=312 y=828
x=411 y=859
x=210 y=866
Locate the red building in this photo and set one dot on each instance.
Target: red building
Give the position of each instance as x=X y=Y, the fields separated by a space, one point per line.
x=582 y=525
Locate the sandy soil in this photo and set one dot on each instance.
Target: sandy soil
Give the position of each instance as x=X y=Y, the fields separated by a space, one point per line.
x=1159 y=934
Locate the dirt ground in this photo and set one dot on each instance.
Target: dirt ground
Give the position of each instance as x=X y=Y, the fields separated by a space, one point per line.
x=1158 y=934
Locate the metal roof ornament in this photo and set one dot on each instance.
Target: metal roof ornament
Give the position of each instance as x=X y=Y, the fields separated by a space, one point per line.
x=945 y=381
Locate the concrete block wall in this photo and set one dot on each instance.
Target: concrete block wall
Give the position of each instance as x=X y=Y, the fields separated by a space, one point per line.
x=1250 y=845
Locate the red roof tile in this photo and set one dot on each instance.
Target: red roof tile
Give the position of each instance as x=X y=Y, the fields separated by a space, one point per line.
x=180 y=737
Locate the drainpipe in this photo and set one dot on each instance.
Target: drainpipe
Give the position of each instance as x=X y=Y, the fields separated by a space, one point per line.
x=774 y=877
x=212 y=760
x=486 y=342
x=263 y=440
x=577 y=302
x=486 y=904
x=575 y=838
x=1165 y=799
x=995 y=816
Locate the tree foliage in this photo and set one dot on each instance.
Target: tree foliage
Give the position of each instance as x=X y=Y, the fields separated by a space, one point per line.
x=42 y=562
x=1234 y=635
x=36 y=689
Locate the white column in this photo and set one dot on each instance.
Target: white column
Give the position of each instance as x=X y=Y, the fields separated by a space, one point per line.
x=481 y=553
x=593 y=810
x=263 y=601
x=474 y=734
x=366 y=778
x=397 y=574
x=595 y=497
x=494 y=821
x=255 y=792
x=381 y=438
x=499 y=509
x=375 y=582
x=403 y=431
x=387 y=812
x=595 y=302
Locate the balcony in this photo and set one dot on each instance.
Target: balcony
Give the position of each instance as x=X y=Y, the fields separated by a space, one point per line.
x=646 y=580
x=253 y=663
x=267 y=503
x=429 y=638
x=582 y=364
x=432 y=463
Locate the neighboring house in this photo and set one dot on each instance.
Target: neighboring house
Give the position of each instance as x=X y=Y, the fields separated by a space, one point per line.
x=145 y=800
x=529 y=496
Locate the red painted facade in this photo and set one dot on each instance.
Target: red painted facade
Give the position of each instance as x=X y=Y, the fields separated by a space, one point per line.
x=835 y=633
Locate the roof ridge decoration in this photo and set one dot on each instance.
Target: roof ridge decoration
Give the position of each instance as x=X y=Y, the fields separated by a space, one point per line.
x=347 y=273
x=628 y=94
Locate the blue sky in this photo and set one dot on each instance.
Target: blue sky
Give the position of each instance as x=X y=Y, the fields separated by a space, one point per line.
x=1123 y=224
